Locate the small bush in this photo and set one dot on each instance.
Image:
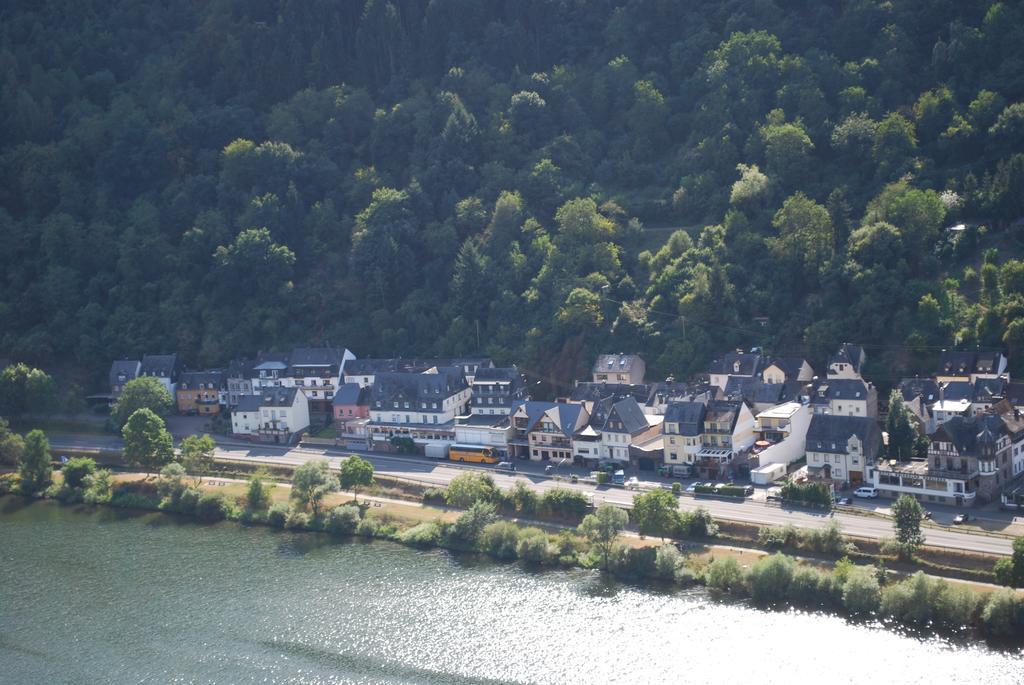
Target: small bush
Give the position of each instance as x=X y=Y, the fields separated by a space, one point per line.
x=921 y=600
x=667 y=562
x=522 y=499
x=471 y=524
x=1003 y=615
x=810 y=588
x=99 y=487
x=132 y=500
x=297 y=520
x=677 y=488
x=76 y=470
x=500 y=539
x=777 y=537
x=697 y=524
x=534 y=547
x=434 y=496
x=424 y=535
x=828 y=540
x=277 y=515
x=567 y=548
x=342 y=520
x=368 y=527
x=770 y=577
x=807 y=493
x=562 y=502
x=466 y=489
x=861 y=592
x=211 y=507
x=724 y=574
x=9 y=482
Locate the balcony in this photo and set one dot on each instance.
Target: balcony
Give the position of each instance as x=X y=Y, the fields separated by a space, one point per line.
x=273 y=428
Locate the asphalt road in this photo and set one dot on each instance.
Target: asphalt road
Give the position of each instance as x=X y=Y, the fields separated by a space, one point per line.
x=440 y=473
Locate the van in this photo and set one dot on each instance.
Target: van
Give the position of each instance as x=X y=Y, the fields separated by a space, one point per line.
x=619 y=477
x=868 y=491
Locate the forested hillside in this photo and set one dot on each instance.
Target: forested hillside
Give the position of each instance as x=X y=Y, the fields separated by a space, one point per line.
x=453 y=176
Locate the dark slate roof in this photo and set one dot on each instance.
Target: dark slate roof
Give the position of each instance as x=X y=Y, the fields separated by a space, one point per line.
x=163 y=365
x=689 y=416
x=827 y=430
x=790 y=366
x=240 y=368
x=351 y=394
x=987 y=362
x=332 y=358
x=847 y=353
x=122 y=371
x=568 y=413
x=989 y=390
x=925 y=388
x=248 y=403
x=840 y=389
x=955 y=363
x=191 y=380
x=276 y=397
x=967 y=432
x=370 y=367
x=629 y=414
x=750 y=363
x=591 y=392
x=501 y=373
x=390 y=387
x=720 y=411
x=271 y=360
x=957 y=390
x=488 y=420
x=1015 y=393
x=754 y=390
x=671 y=389
x=619 y=363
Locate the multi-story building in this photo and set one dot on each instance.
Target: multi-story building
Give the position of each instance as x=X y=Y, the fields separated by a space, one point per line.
x=847 y=362
x=969 y=460
x=275 y=415
x=841 y=448
x=163 y=367
x=736 y=365
x=420 y=406
x=238 y=379
x=682 y=432
x=122 y=371
x=709 y=437
x=351 y=402
x=199 y=392
x=544 y=431
x=317 y=372
x=782 y=369
x=619 y=368
x=781 y=433
x=970 y=366
x=624 y=429
x=495 y=390
x=844 y=397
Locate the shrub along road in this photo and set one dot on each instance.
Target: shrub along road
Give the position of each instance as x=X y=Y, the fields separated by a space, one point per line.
x=434 y=473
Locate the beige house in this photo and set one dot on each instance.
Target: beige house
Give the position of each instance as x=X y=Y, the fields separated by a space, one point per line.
x=619 y=368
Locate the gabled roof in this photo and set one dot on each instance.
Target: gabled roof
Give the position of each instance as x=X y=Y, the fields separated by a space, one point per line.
x=616 y=363
x=390 y=387
x=956 y=391
x=271 y=361
x=566 y=414
x=370 y=367
x=925 y=388
x=848 y=353
x=754 y=390
x=689 y=416
x=840 y=389
x=750 y=363
x=248 y=403
x=318 y=356
x=968 y=433
x=593 y=391
x=965 y=363
x=790 y=366
x=629 y=414
x=723 y=411
x=124 y=370
x=191 y=380
x=277 y=397
x=159 y=365
x=830 y=433
x=351 y=394
x=239 y=368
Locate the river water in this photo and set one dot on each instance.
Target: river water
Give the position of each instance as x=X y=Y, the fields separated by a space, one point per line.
x=115 y=597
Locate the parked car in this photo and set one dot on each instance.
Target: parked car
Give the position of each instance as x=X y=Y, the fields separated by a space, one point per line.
x=692 y=486
x=505 y=466
x=961 y=518
x=844 y=500
x=866 y=491
x=927 y=514
x=549 y=468
x=633 y=483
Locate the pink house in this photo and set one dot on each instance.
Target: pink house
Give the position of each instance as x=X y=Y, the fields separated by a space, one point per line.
x=351 y=402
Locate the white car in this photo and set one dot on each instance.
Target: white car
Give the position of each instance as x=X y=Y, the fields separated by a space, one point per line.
x=866 y=491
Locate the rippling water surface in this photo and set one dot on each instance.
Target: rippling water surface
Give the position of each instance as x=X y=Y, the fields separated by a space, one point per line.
x=109 y=597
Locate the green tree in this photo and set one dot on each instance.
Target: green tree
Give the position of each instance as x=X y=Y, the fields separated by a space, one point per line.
x=901 y=428
x=467 y=528
x=77 y=471
x=1010 y=571
x=147 y=444
x=257 y=493
x=12 y=445
x=356 y=473
x=311 y=482
x=24 y=390
x=907 y=515
x=467 y=488
x=602 y=528
x=657 y=513
x=805 y=235
x=197 y=454
x=36 y=468
x=861 y=592
x=145 y=392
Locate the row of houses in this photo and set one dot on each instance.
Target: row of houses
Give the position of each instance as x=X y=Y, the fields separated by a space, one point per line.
x=751 y=413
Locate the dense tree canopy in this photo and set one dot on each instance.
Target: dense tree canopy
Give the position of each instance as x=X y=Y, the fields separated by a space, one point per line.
x=535 y=181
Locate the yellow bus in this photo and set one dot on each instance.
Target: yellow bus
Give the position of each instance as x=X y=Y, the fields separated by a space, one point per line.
x=477 y=454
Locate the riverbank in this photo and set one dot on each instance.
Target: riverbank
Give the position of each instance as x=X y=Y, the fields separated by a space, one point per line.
x=770 y=581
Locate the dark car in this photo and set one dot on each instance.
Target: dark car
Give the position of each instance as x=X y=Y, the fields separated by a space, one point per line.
x=843 y=500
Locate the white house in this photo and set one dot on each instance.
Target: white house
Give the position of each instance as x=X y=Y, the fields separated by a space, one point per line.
x=276 y=415
x=163 y=367
x=619 y=368
x=782 y=369
x=784 y=428
x=841 y=448
x=847 y=362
